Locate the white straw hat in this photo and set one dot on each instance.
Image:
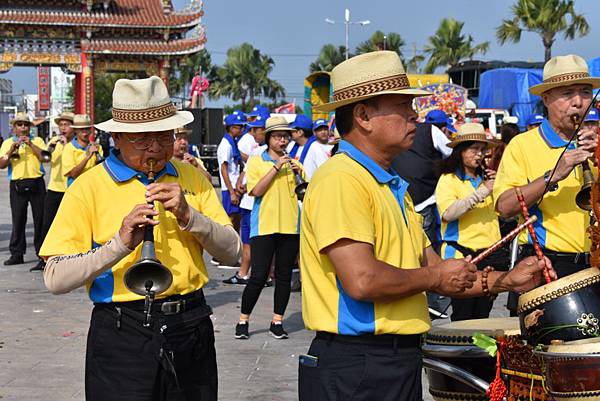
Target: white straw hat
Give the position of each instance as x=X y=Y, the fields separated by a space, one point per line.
x=143 y=105
x=564 y=71
x=471 y=132
x=81 y=121
x=366 y=76
x=65 y=115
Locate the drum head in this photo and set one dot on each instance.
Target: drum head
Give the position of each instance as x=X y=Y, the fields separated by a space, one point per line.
x=460 y=333
x=587 y=346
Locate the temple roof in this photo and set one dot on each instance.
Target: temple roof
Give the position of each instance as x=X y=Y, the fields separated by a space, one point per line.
x=144 y=47
x=120 y=13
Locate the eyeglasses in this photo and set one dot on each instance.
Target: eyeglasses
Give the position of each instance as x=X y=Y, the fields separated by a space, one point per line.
x=146 y=142
x=279 y=137
x=21 y=124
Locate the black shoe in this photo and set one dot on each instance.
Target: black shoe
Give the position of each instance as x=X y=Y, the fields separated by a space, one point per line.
x=269 y=282
x=236 y=279
x=14 y=260
x=241 y=331
x=277 y=331
x=39 y=267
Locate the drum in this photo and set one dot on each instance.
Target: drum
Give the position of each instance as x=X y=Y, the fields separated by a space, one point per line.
x=452 y=343
x=572 y=370
x=522 y=371
x=566 y=309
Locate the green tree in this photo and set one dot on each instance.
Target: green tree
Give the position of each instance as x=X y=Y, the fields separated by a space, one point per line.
x=245 y=76
x=103 y=88
x=449 y=45
x=328 y=58
x=181 y=75
x=544 y=17
x=380 y=41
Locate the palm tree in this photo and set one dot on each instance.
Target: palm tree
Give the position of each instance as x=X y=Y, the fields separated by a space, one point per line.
x=546 y=18
x=449 y=45
x=329 y=57
x=380 y=41
x=244 y=76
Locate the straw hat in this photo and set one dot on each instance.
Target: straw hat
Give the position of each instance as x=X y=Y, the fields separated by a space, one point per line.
x=471 y=132
x=182 y=131
x=564 y=71
x=366 y=76
x=65 y=115
x=277 y=124
x=143 y=105
x=81 y=121
x=21 y=116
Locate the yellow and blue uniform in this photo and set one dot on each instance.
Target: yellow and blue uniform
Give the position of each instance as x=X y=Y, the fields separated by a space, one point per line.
x=561 y=223
x=58 y=181
x=72 y=155
x=94 y=207
x=476 y=229
x=352 y=197
x=277 y=211
x=28 y=165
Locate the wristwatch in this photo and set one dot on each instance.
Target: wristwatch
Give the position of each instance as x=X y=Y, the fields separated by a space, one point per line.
x=551 y=187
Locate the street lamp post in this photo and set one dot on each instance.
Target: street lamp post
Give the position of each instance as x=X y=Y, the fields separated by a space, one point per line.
x=347 y=23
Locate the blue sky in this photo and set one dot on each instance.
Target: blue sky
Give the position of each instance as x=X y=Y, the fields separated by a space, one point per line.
x=293 y=32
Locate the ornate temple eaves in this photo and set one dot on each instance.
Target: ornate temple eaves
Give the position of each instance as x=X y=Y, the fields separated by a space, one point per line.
x=144 y=47
x=126 y=13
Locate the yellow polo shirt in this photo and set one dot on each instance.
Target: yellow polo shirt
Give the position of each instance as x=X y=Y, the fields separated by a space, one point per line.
x=476 y=229
x=277 y=211
x=28 y=166
x=352 y=197
x=72 y=155
x=94 y=207
x=561 y=224
x=58 y=181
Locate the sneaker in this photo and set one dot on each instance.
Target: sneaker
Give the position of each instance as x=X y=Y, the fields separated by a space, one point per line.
x=14 y=260
x=236 y=279
x=215 y=262
x=241 y=331
x=269 y=282
x=277 y=331
x=226 y=267
x=39 y=267
x=435 y=314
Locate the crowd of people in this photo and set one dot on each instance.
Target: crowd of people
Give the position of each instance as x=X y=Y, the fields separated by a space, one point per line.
x=392 y=215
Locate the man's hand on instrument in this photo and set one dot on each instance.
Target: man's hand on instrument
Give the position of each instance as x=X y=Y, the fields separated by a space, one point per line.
x=587 y=139
x=172 y=198
x=282 y=160
x=453 y=276
x=527 y=275
x=190 y=159
x=490 y=177
x=570 y=159
x=25 y=139
x=132 y=227
x=93 y=148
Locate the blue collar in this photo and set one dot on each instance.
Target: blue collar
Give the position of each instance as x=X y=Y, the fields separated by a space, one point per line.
x=475 y=181
x=75 y=143
x=120 y=172
x=375 y=169
x=551 y=137
x=266 y=157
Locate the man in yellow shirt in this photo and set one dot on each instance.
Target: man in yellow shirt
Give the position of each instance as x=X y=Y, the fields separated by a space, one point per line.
x=58 y=183
x=366 y=262
x=140 y=347
x=22 y=155
x=549 y=181
x=180 y=151
x=80 y=154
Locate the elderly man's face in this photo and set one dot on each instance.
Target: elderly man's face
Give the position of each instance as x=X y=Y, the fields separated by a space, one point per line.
x=180 y=147
x=566 y=101
x=21 y=128
x=137 y=149
x=64 y=126
x=394 y=122
x=83 y=134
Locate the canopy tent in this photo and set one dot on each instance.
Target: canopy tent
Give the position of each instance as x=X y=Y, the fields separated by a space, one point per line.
x=594 y=65
x=508 y=88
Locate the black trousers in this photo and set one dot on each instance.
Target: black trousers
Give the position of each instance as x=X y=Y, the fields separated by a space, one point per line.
x=24 y=192
x=478 y=307
x=174 y=360
x=360 y=373
x=285 y=249
x=51 y=204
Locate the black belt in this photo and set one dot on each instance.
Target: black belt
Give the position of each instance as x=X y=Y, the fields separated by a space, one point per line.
x=382 y=340
x=581 y=258
x=167 y=306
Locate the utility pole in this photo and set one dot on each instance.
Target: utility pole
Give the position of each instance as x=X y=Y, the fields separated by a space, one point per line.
x=347 y=24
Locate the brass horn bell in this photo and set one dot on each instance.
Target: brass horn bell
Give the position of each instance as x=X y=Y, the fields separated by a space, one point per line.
x=148 y=269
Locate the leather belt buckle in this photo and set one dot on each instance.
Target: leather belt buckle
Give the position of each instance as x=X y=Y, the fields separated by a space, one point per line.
x=171 y=307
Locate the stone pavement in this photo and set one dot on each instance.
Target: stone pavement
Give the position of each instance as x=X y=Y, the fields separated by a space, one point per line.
x=42 y=336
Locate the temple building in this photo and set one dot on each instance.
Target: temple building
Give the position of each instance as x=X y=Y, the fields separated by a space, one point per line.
x=92 y=37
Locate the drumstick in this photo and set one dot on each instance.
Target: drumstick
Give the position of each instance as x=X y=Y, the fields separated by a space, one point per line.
x=508 y=237
x=532 y=234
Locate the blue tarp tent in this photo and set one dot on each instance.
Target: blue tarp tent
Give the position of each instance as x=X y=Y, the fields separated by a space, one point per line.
x=594 y=66
x=507 y=88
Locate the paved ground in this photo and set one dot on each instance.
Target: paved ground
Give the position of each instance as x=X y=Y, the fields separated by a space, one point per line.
x=42 y=336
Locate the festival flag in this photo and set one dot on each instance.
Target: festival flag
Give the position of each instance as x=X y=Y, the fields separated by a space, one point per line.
x=288 y=108
x=43 y=88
